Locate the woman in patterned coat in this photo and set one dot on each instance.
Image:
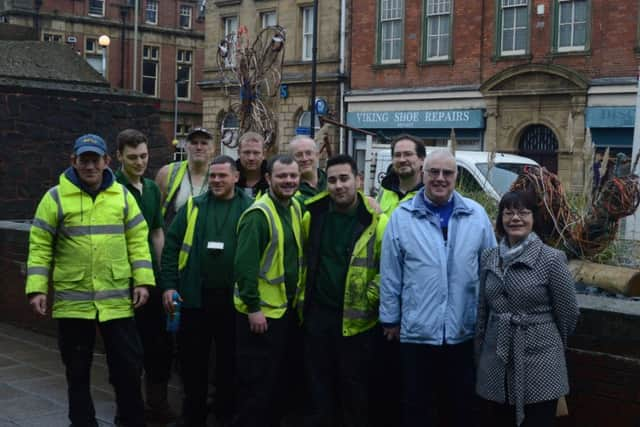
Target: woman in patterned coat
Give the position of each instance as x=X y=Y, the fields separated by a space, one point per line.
x=526 y=310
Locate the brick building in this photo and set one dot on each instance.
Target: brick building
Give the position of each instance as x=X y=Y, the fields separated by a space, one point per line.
x=291 y=106
x=519 y=76
x=170 y=42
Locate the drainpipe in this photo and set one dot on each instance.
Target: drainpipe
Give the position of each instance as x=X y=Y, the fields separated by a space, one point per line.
x=343 y=26
x=314 y=63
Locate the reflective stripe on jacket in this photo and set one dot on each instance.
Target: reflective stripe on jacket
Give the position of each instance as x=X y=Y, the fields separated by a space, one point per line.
x=362 y=282
x=187 y=242
x=174 y=179
x=271 y=279
x=95 y=248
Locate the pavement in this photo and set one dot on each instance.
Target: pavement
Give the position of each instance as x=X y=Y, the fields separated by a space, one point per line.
x=33 y=388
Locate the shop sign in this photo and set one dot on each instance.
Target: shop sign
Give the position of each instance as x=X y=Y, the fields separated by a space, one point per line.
x=427 y=119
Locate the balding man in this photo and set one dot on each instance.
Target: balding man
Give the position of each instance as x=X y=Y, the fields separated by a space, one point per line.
x=428 y=294
x=313 y=180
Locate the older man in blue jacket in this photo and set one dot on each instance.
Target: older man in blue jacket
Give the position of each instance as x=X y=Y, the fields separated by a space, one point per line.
x=428 y=294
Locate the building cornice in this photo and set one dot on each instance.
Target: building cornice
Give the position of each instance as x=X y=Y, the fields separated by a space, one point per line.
x=110 y=23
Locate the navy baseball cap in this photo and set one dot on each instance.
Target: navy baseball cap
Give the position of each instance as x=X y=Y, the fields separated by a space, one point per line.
x=90 y=143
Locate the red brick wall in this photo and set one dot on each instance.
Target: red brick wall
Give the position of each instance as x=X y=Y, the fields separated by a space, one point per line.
x=613 y=39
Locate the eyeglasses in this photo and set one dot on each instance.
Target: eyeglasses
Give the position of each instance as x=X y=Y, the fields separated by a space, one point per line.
x=435 y=173
x=522 y=213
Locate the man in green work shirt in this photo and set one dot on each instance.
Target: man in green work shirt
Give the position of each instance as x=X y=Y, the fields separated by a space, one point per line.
x=197 y=263
x=340 y=298
x=312 y=179
x=133 y=155
x=268 y=270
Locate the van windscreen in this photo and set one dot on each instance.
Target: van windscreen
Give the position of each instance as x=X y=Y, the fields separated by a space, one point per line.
x=502 y=175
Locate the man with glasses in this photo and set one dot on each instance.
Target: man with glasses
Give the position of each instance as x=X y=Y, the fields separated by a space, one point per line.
x=403 y=179
x=180 y=180
x=313 y=180
x=428 y=294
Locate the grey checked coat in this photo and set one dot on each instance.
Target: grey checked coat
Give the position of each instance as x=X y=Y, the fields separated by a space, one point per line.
x=526 y=310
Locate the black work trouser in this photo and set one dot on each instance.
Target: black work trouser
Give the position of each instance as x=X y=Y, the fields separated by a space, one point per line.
x=156 y=341
x=76 y=341
x=338 y=370
x=540 y=414
x=199 y=327
x=385 y=384
x=438 y=385
x=269 y=371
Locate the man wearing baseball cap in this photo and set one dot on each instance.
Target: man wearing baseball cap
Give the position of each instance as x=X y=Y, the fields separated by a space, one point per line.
x=180 y=180
x=89 y=236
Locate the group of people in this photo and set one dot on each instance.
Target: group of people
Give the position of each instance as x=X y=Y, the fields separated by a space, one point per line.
x=302 y=294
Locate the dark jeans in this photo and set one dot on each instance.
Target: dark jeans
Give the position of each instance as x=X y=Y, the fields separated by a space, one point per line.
x=541 y=414
x=76 y=340
x=338 y=369
x=214 y=321
x=269 y=366
x=438 y=384
x=156 y=341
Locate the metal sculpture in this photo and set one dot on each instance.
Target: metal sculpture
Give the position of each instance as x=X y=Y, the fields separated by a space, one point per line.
x=252 y=70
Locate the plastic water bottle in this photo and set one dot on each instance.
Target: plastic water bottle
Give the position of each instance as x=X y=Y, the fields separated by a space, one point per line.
x=173 y=319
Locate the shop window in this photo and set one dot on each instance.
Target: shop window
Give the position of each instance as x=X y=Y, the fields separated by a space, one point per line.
x=52 y=38
x=390 y=29
x=513 y=37
x=438 y=29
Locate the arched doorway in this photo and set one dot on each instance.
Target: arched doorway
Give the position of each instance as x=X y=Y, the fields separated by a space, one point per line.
x=539 y=143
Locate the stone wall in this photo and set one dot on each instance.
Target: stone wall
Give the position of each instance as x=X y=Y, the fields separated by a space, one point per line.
x=37 y=131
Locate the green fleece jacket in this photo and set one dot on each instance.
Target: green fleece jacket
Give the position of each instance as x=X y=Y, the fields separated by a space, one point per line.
x=188 y=282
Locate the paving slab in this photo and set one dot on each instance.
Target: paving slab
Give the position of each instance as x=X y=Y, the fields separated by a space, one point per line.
x=27 y=407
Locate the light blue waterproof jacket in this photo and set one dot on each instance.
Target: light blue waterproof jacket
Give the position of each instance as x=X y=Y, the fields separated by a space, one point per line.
x=429 y=286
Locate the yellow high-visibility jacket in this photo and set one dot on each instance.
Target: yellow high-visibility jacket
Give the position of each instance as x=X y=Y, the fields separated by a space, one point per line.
x=96 y=248
x=271 y=281
x=174 y=179
x=362 y=282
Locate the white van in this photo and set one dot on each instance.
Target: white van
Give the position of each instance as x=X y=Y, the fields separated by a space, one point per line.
x=474 y=173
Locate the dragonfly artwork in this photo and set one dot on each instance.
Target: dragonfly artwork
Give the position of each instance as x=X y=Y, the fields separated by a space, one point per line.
x=251 y=71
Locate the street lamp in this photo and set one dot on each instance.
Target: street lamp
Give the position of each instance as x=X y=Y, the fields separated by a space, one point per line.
x=104 y=41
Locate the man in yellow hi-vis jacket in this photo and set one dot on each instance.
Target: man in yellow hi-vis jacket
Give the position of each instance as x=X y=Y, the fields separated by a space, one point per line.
x=89 y=236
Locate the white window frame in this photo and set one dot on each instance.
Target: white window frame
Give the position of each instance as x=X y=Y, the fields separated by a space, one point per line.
x=186 y=12
x=391 y=12
x=572 y=24
x=307 y=33
x=437 y=11
x=94 y=51
x=152 y=7
x=152 y=54
x=230 y=25
x=93 y=13
x=508 y=4
x=184 y=58
x=265 y=17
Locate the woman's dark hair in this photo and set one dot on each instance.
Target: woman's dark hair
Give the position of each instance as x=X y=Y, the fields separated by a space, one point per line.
x=518 y=200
